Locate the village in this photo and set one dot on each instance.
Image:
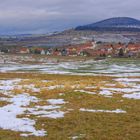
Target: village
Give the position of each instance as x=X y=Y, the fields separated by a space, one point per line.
x=88 y=48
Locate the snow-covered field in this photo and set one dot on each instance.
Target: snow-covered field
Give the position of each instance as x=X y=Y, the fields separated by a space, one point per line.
x=31 y=106
x=125 y=67
x=18 y=104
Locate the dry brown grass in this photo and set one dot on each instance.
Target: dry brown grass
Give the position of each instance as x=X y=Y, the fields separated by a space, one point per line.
x=93 y=126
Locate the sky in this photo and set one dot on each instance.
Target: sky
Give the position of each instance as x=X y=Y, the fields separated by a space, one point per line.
x=43 y=16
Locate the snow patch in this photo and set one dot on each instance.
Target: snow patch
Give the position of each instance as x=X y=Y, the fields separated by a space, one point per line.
x=7 y=85
x=17 y=106
x=9 y=113
x=49 y=111
x=56 y=86
x=83 y=91
x=49 y=107
x=126 y=90
x=78 y=137
x=128 y=79
x=106 y=93
x=56 y=101
x=53 y=114
x=105 y=111
x=132 y=96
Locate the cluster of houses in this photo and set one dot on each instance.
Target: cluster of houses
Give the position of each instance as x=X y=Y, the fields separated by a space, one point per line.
x=117 y=50
x=90 y=48
x=70 y=50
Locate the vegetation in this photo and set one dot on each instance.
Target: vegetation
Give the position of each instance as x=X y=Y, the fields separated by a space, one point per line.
x=114 y=24
x=85 y=125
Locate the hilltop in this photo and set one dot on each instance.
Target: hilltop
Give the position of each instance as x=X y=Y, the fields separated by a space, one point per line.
x=113 y=24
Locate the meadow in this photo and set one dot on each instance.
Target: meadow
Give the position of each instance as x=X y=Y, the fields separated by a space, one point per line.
x=36 y=105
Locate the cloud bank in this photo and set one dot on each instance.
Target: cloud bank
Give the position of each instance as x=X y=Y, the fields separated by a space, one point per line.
x=42 y=16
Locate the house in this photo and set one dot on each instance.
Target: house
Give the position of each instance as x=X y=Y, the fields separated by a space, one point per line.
x=64 y=52
x=56 y=52
x=14 y=50
x=133 y=50
x=78 y=49
x=43 y=52
x=48 y=52
x=91 y=52
x=72 y=51
x=24 y=50
x=39 y=50
x=4 y=50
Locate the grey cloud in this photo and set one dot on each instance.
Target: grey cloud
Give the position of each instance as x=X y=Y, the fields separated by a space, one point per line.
x=40 y=16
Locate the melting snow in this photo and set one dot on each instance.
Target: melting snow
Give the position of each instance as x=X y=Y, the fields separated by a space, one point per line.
x=9 y=120
x=105 y=111
x=49 y=107
x=56 y=101
x=83 y=91
x=111 y=85
x=106 y=93
x=56 y=86
x=126 y=90
x=78 y=137
x=48 y=111
x=18 y=105
x=7 y=85
x=128 y=79
x=132 y=96
x=53 y=114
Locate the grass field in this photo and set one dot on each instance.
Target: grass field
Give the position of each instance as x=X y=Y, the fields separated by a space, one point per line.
x=63 y=107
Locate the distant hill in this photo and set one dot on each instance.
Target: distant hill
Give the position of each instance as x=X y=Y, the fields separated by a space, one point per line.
x=113 y=24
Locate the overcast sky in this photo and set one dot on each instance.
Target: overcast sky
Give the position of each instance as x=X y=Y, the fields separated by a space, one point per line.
x=42 y=16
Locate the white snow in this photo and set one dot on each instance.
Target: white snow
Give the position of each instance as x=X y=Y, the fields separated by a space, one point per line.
x=106 y=93
x=49 y=110
x=88 y=67
x=126 y=90
x=9 y=113
x=56 y=86
x=49 y=107
x=78 y=137
x=111 y=85
x=9 y=82
x=84 y=91
x=75 y=137
x=105 y=111
x=132 y=96
x=49 y=114
x=128 y=79
x=56 y=101
x=3 y=99
x=7 y=85
x=30 y=87
x=53 y=114
x=17 y=106
x=90 y=87
x=41 y=133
